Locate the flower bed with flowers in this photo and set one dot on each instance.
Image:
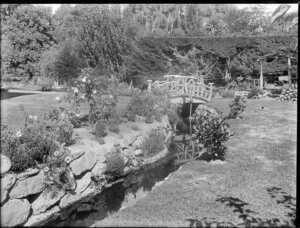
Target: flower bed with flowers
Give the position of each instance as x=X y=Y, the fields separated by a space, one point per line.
x=51 y=174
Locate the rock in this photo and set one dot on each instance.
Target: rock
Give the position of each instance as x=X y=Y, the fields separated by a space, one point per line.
x=6 y=183
x=131 y=138
x=45 y=200
x=28 y=173
x=84 y=207
x=98 y=169
x=41 y=219
x=84 y=163
x=15 y=212
x=137 y=144
x=69 y=199
x=5 y=164
x=129 y=153
x=138 y=153
x=76 y=155
x=83 y=183
x=126 y=170
x=31 y=185
x=72 y=181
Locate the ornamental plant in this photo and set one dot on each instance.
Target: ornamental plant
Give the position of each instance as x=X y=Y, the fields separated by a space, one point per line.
x=237 y=106
x=27 y=147
x=154 y=143
x=212 y=130
x=57 y=171
x=114 y=162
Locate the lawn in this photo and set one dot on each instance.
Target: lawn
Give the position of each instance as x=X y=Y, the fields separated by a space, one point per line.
x=257 y=180
x=39 y=103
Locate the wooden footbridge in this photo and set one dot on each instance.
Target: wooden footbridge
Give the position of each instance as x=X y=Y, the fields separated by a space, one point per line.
x=183 y=89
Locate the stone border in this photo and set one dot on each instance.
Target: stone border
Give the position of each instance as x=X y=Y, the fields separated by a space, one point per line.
x=25 y=193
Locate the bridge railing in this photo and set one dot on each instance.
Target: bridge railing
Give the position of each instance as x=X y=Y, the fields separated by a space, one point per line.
x=186 y=86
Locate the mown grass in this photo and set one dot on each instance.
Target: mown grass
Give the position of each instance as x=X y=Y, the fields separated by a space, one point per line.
x=261 y=156
x=40 y=103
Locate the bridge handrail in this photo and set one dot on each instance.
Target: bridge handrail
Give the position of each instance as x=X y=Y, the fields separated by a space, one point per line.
x=187 y=87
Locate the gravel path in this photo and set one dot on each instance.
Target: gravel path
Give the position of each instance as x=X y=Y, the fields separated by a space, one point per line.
x=255 y=185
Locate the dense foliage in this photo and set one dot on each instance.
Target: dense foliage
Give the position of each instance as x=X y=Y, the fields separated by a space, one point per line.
x=237 y=106
x=212 y=130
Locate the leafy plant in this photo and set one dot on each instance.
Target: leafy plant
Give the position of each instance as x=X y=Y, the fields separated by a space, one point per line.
x=27 y=147
x=57 y=171
x=237 y=106
x=114 y=162
x=154 y=143
x=212 y=130
x=46 y=84
x=254 y=92
x=114 y=127
x=100 y=129
x=228 y=93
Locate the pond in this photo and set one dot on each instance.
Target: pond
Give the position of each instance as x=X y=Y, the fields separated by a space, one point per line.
x=120 y=195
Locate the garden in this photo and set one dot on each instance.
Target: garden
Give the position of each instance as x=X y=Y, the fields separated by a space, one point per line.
x=84 y=142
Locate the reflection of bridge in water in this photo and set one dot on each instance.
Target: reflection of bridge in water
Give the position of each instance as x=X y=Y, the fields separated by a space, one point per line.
x=184 y=89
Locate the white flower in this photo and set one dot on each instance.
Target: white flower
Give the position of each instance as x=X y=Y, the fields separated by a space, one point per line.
x=111 y=96
x=94 y=91
x=77 y=114
x=19 y=134
x=55 y=153
x=46 y=169
x=67 y=159
x=75 y=90
x=84 y=79
x=34 y=117
x=82 y=96
x=57 y=98
x=30 y=117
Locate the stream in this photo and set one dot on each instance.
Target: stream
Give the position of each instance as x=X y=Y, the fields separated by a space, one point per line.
x=119 y=196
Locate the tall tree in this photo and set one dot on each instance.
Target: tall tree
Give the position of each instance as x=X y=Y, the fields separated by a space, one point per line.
x=29 y=31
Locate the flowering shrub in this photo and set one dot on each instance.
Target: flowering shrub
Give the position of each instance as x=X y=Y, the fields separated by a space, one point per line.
x=102 y=108
x=154 y=143
x=57 y=171
x=212 y=130
x=147 y=104
x=237 y=107
x=57 y=123
x=100 y=129
x=27 y=147
x=123 y=89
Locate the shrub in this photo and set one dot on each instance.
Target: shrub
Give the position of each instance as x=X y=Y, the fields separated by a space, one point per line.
x=147 y=104
x=46 y=84
x=57 y=171
x=114 y=127
x=135 y=127
x=114 y=162
x=100 y=129
x=276 y=91
x=28 y=147
x=58 y=123
x=254 y=92
x=212 y=130
x=154 y=143
x=228 y=93
x=237 y=106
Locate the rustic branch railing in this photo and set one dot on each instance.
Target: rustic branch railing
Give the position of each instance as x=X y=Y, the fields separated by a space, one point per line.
x=183 y=86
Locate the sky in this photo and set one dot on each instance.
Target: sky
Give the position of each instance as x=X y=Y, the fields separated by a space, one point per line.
x=270 y=7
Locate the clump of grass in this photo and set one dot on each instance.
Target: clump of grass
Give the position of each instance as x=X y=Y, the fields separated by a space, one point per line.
x=100 y=129
x=154 y=143
x=135 y=127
